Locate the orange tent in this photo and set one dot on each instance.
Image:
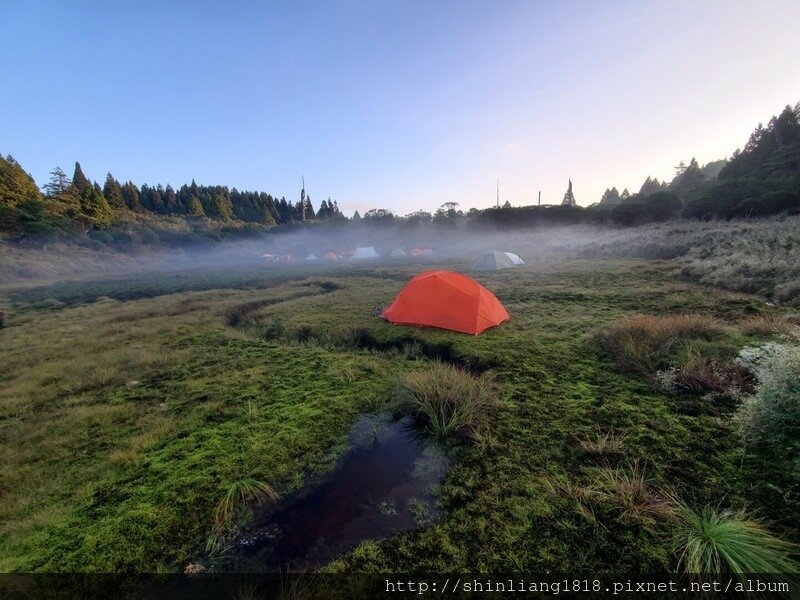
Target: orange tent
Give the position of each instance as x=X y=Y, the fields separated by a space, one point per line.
x=446 y=300
x=330 y=256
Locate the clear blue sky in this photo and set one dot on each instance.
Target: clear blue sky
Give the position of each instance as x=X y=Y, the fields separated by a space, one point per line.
x=401 y=105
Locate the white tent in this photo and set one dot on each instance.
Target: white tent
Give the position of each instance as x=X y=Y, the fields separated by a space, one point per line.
x=514 y=258
x=365 y=252
x=311 y=257
x=267 y=255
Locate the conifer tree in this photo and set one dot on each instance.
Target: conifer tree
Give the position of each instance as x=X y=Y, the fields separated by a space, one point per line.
x=113 y=193
x=16 y=186
x=58 y=184
x=195 y=207
x=79 y=180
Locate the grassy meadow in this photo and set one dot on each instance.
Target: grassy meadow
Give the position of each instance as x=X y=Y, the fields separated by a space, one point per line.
x=131 y=408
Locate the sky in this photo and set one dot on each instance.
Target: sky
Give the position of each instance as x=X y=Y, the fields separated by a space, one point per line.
x=401 y=105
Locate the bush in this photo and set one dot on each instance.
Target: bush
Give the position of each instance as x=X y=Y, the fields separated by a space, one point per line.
x=788 y=293
x=447 y=401
x=770 y=419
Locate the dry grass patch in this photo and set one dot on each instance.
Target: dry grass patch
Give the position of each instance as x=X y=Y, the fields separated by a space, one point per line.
x=598 y=443
x=633 y=494
x=644 y=343
x=769 y=325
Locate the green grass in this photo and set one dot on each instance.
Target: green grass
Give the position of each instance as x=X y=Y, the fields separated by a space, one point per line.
x=448 y=401
x=713 y=541
x=239 y=496
x=123 y=421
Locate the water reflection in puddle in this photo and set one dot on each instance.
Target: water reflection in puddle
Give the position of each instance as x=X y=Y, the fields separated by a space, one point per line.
x=382 y=486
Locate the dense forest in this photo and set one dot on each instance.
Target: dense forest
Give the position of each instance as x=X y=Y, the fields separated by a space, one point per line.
x=762 y=178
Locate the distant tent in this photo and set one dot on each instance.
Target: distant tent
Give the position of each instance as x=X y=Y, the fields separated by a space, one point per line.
x=427 y=252
x=346 y=255
x=493 y=261
x=397 y=253
x=416 y=252
x=267 y=255
x=446 y=300
x=286 y=258
x=329 y=256
x=311 y=257
x=514 y=258
x=365 y=252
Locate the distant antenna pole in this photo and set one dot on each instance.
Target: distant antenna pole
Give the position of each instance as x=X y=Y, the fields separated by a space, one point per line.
x=540 y=198
x=303 y=199
x=498 y=193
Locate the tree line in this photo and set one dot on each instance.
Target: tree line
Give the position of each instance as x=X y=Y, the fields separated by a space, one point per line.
x=760 y=179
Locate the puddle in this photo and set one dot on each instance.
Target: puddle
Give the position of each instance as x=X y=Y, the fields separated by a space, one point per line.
x=382 y=486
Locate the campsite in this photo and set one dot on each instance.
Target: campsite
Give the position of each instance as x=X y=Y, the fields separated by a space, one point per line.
x=249 y=381
x=332 y=300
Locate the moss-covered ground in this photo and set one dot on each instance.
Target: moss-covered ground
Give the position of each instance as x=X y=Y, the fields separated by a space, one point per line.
x=127 y=407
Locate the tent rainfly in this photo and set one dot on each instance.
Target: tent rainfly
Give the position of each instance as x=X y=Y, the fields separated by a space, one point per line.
x=365 y=252
x=397 y=253
x=514 y=258
x=267 y=255
x=311 y=257
x=493 y=261
x=329 y=256
x=416 y=252
x=446 y=300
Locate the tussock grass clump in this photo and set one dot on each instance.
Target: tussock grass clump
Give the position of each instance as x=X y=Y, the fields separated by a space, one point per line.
x=598 y=443
x=768 y=325
x=239 y=495
x=644 y=343
x=680 y=353
x=712 y=541
x=633 y=494
x=448 y=401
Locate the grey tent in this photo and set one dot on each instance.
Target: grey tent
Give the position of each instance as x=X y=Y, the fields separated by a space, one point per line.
x=397 y=253
x=492 y=261
x=514 y=258
x=311 y=257
x=365 y=252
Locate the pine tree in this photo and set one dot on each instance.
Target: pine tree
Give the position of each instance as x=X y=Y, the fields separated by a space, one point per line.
x=356 y=216
x=16 y=186
x=79 y=180
x=58 y=184
x=322 y=213
x=195 y=208
x=95 y=206
x=171 y=203
x=130 y=194
x=113 y=193
x=569 y=198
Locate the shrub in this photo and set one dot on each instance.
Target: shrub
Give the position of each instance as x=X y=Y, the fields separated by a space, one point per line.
x=712 y=541
x=788 y=293
x=770 y=419
x=448 y=402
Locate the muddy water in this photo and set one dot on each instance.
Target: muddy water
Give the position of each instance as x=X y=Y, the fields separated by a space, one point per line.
x=382 y=486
